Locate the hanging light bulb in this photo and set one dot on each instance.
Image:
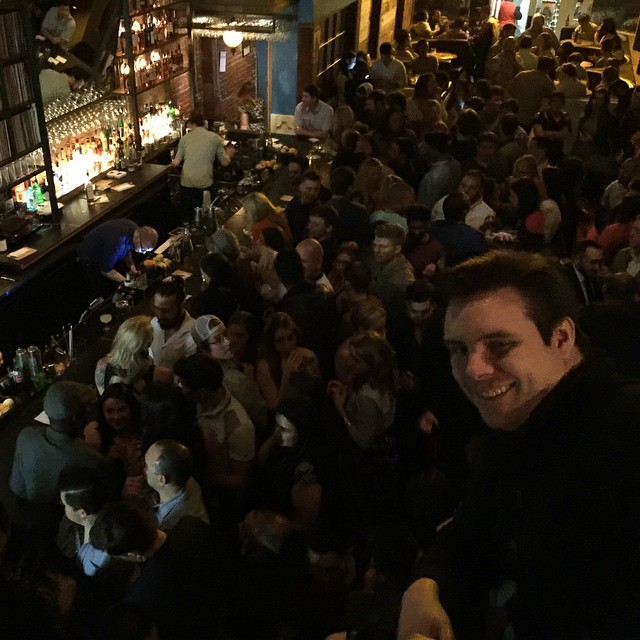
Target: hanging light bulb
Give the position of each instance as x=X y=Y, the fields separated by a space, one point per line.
x=124 y=68
x=155 y=56
x=232 y=39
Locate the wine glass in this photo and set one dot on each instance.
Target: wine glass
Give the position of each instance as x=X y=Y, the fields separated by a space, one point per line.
x=106 y=319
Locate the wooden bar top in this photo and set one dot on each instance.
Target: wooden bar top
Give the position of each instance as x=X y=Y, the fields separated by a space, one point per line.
x=52 y=241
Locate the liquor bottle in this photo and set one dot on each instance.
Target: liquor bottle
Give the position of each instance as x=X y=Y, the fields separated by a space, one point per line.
x=37 y=190
x=135 y=36
x=151 y=29
x=89 y=189
x=179 y=59
x=29 y=198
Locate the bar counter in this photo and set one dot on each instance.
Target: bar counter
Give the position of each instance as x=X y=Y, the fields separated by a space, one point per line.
x=46 y=289
x=78 y=217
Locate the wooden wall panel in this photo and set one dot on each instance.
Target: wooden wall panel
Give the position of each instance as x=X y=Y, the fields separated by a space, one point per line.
x=387 y=21
x=364 y=24
x=308 y=41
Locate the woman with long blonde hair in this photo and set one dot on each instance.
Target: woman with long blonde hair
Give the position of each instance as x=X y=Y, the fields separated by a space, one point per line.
x=263 y=214
x=128 y=361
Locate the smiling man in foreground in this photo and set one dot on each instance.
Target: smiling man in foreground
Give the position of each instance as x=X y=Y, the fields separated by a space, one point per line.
x=549 y=534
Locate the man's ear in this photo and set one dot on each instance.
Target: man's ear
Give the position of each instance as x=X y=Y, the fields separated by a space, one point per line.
x=564 y=335
x=398 y=249
x=162 y=480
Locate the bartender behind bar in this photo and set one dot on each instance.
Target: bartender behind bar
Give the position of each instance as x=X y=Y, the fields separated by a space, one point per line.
x=110 y=243
x=197 y=151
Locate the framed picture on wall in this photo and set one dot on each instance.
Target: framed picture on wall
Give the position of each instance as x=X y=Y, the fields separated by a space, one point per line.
x=246 y=49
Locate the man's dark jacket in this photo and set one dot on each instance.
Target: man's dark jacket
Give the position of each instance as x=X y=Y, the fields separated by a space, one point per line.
x=555 y=509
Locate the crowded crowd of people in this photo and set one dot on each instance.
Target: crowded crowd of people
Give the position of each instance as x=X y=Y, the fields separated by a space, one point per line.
x=396 y=408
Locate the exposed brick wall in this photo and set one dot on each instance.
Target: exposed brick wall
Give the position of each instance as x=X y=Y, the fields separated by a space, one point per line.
x=219 y=91
x=181 y=92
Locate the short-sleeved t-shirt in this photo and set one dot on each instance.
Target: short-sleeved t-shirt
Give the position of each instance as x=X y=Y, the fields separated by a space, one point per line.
x=318 y=119
x=198 y=150
x=231 y=427
x=57 y=26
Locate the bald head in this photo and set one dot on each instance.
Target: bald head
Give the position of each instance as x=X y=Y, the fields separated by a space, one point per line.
x=168 y=462
x=311 y=255
x=145 y=239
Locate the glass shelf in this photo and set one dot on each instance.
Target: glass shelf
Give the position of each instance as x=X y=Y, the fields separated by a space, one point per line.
x=28 y=176
x=20 y=154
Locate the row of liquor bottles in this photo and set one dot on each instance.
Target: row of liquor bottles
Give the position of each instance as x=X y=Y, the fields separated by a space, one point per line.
x=113 y=146
x=153 y=31
x=150 y=69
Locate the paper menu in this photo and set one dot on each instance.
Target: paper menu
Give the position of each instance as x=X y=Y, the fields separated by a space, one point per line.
x=19 y=254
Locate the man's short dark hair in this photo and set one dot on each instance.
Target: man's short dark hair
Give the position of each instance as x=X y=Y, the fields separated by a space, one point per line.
x=396 y=100
x=314 y=176
x=121 y=528
x=420 y=291
x=199 y=372
x=547 y=293
x=288 y=267
x=196 y=118
x=327 y=213
x=174 y=462
x=417 y=212
x=341 y=179
x=437 y=141
x=77 y=72
x=358 y=275
x=455 y=207
x=313 y=91
x=386 y=49
x=475 y=173
x=509 y=124
x=172 y=287
x=84 y=488
x=546 y=64
x=526 y=42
